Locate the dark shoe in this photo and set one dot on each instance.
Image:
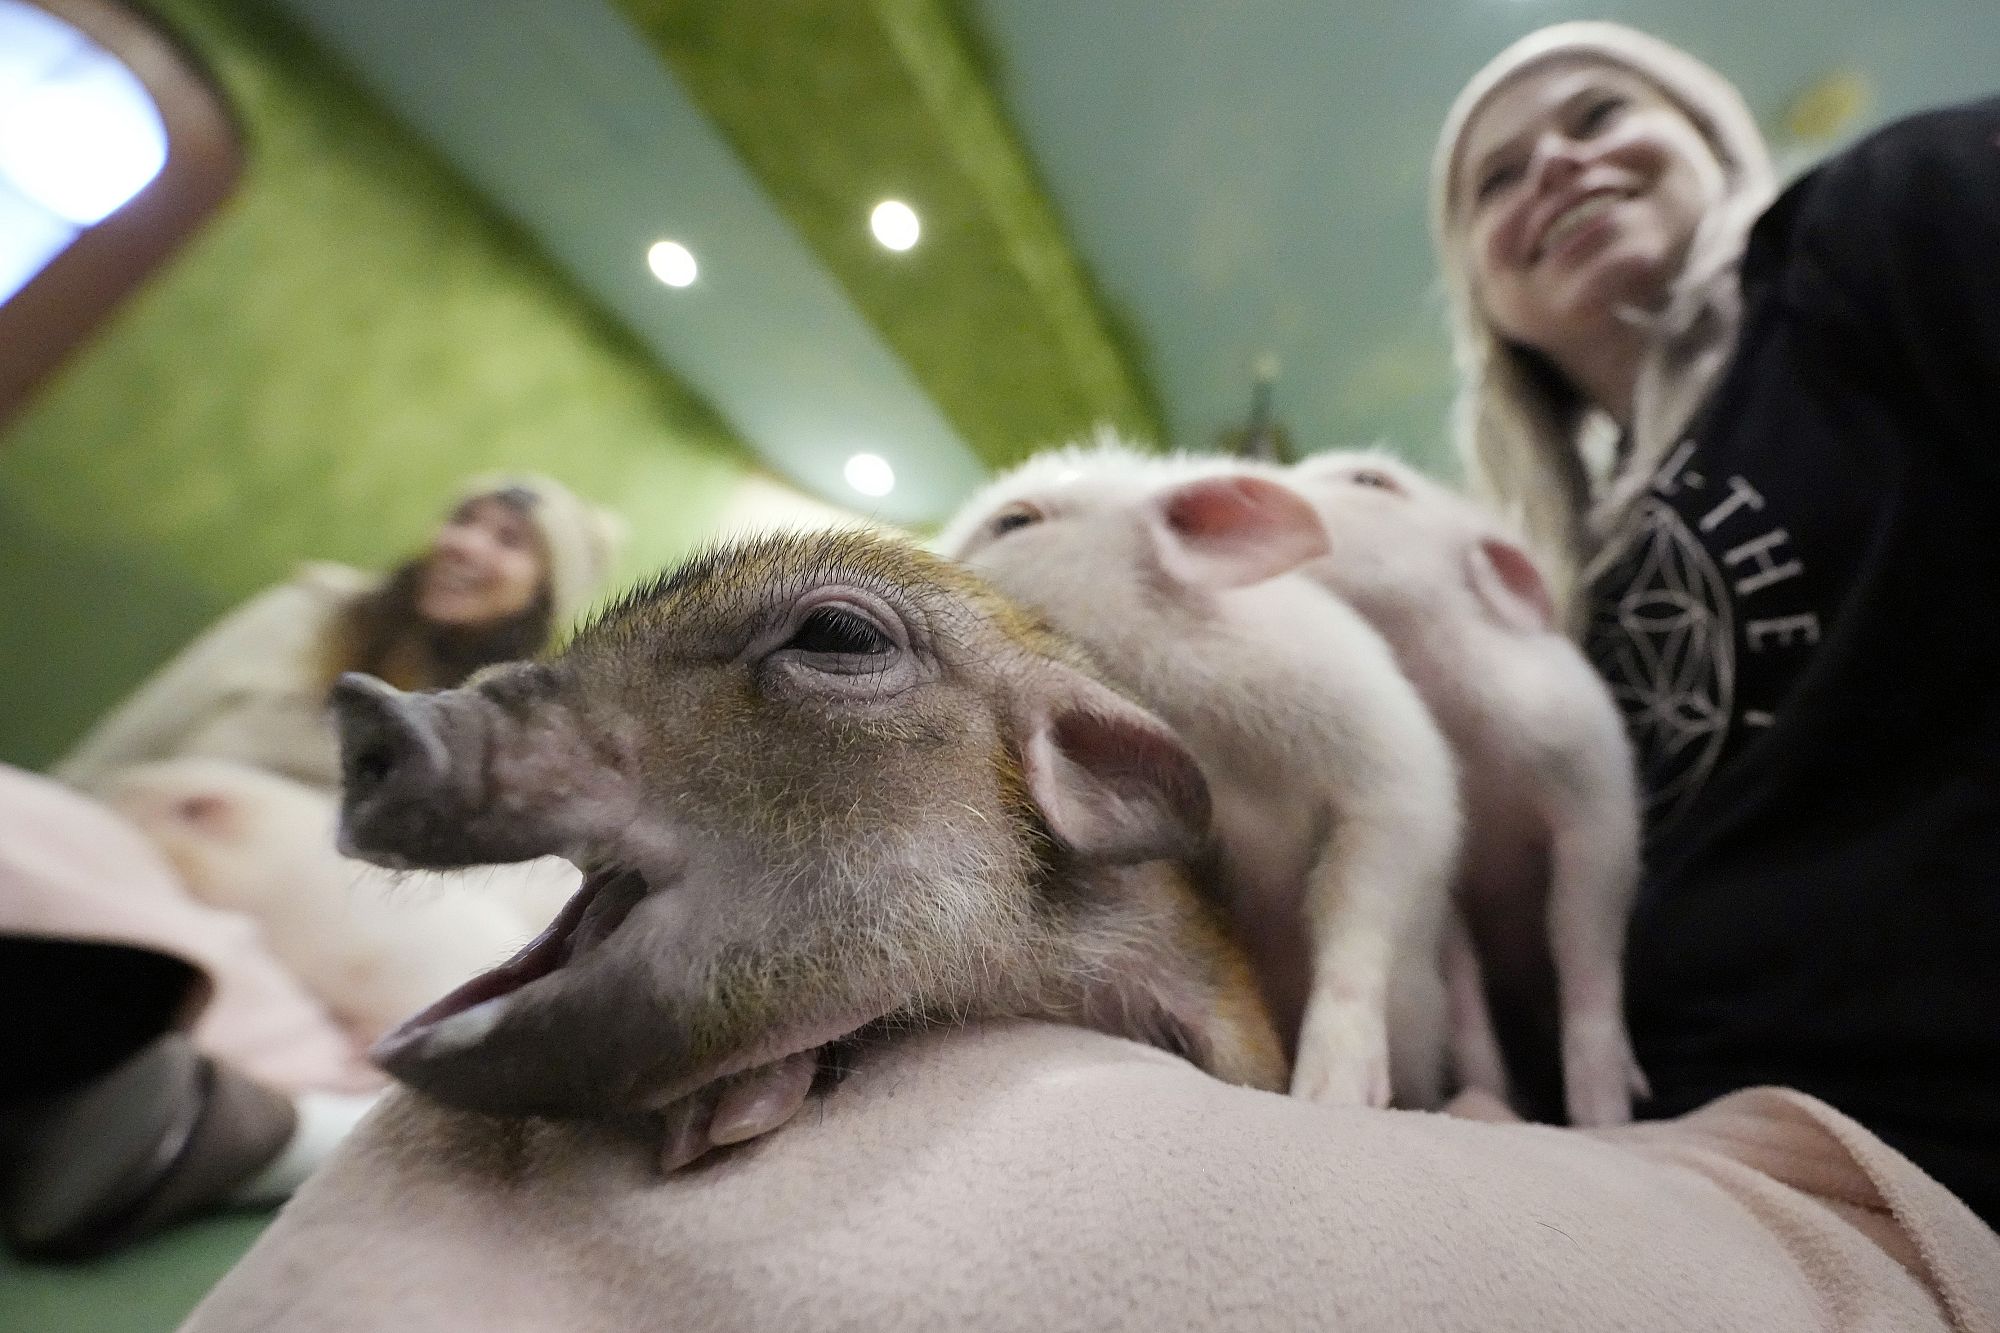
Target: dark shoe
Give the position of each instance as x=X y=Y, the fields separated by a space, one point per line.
x=77 y=1009
x=164 y=1135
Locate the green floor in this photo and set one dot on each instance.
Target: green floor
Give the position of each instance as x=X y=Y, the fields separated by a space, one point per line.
x=147 y=1289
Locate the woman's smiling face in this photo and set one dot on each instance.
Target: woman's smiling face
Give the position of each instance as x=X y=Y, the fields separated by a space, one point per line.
x=486 y=565
x=1578 y=189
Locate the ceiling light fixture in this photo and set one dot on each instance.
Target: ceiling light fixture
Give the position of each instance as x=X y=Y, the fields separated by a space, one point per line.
x=895 y=224
x=672 y=263
x=870 y=474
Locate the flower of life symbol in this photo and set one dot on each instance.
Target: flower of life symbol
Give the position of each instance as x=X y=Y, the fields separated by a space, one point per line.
x=1661 y=633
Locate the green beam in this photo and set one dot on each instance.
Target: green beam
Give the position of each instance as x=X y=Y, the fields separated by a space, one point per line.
x=838 y=104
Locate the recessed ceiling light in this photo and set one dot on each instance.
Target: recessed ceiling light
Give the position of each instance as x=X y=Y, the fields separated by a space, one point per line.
x=894 y=224
x=870 y=474
x=671 y=263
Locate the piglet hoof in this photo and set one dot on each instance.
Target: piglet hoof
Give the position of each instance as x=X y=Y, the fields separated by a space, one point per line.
x=1479 y=1104
x=1479 y=1067
x=1343 y=1057
x=731 y=1110
x=1600 y=1074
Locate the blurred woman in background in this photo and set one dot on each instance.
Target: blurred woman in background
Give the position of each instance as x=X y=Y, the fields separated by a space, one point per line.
x=515 y=560
x=216 y=969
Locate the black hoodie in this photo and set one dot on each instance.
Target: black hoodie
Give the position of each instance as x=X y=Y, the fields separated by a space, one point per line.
x=1802 y=630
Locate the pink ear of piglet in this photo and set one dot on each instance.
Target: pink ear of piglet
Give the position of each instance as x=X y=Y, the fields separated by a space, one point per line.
x=1511 y=588
x=1113 y=783
x=1230 y=532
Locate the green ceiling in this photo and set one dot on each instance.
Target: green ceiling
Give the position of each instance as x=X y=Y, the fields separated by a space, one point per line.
x=1127 y=204
x=761 y=136
x=992 y=311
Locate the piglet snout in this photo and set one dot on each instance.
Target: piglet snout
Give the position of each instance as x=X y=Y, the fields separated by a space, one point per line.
x=393 y=761
x=386 y=742
x=458 y=778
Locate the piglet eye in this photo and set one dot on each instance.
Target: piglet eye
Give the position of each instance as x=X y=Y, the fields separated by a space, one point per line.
x=1020 y=514
x=838 y=631
x=1370 y=477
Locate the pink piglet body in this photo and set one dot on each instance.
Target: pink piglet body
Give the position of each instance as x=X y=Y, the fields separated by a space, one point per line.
x=1335 y=811
x=1547 y=780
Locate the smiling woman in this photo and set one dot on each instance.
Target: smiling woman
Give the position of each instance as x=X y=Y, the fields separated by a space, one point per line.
x=511 y=564
x=1581 y=194
x=1772 y=560
x=225 y=763
x=1674 y=150
x=487 y=563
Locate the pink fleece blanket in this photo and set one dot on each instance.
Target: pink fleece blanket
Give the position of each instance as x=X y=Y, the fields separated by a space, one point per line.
x=1038 y=1178
x=72 y=868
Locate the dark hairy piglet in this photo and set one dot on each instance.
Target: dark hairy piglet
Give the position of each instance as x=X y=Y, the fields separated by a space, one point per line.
x=817 y=785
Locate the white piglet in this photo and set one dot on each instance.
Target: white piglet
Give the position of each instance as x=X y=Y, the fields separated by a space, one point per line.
x=1335 y=813
x=372 y=945
x=1548 y=787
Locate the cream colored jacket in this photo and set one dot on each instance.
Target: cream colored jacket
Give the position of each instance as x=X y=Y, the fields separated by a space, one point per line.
x=252 y=689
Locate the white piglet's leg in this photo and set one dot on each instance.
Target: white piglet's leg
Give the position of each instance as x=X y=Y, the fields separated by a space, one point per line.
x=1343 y=1051
x=1475 y=1048
x=1419 y=1030
x=1375 y=904
x=1594 y=864
x=1370 y=911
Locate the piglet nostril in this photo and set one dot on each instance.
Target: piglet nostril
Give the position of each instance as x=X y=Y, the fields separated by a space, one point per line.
x=392 y=762
x=385 y=734
x=370 y=767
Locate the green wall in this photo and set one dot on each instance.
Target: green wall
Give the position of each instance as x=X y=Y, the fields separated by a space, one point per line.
x=352 y=334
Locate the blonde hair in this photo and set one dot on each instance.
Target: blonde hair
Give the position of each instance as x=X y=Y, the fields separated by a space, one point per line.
x=1519 y=426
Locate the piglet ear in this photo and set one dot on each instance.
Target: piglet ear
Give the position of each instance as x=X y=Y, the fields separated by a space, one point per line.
x=1230 y=532
x=1510 y=587
x=1113 y=783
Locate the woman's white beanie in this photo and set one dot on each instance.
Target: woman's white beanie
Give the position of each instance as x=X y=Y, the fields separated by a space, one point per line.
x=1708 y=100
x=1504 y=430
